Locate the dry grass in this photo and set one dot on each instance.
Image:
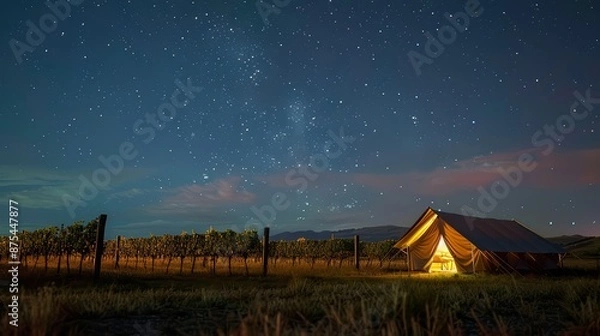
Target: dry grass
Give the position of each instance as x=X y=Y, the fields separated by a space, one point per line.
x=302 y=300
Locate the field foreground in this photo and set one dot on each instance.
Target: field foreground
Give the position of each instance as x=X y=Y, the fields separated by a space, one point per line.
x=324 y=301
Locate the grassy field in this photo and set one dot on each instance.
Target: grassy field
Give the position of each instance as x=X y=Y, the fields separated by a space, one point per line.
x=301 y=300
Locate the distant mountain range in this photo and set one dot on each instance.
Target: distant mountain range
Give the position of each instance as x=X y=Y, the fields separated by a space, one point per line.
x=568 y=240
x=578 y=245
x=369 y=234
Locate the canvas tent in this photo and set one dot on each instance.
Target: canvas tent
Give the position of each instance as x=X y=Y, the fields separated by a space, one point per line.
x=472 y=244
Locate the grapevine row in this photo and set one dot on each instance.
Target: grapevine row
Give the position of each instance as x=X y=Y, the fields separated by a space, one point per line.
x=77 y=242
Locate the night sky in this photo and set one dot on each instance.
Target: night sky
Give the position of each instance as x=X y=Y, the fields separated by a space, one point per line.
x=181 y=115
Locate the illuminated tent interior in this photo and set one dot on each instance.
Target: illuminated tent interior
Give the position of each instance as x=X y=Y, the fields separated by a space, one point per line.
x=441 y=241
x=442 y=259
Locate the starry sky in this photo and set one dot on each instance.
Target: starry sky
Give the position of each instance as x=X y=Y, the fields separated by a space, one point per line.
x=321 y=115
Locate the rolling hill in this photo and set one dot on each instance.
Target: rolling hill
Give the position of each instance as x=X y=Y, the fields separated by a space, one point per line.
x=579 y=245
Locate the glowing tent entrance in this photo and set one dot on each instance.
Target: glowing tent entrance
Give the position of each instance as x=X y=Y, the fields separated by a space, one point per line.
x=441 y=241
x=442 y=259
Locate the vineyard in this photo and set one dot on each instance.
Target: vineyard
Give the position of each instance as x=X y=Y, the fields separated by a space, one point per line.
x=167 y=285
x=69 y=247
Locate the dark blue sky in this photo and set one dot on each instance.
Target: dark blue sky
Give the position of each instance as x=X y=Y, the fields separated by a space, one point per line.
x=180 y=115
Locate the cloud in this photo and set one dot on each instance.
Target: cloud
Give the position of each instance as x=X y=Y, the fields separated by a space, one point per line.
x=559 y=169
x=567 y=169
x=40 y=198
x=44 y=189
x=34 y=187
x=202 y=198
x=15 y=176
x=131 y=193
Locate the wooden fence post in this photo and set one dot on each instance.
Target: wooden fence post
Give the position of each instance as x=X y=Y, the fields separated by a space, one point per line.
x=99 y=245
x=265 y=251
x=356 y=252
x=117 y=251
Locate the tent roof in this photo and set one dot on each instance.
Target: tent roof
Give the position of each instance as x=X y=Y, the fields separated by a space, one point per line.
x=487 y=234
